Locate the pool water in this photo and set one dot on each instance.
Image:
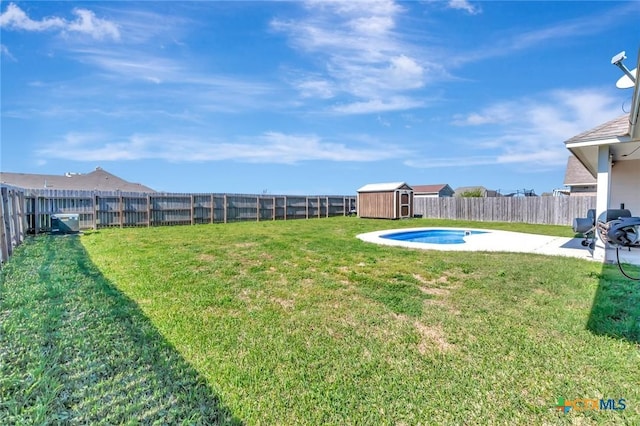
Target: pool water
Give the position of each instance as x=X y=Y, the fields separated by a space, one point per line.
x=432 y=236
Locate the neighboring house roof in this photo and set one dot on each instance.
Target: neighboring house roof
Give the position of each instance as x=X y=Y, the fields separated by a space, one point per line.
x=99 y=180
x=382 y=187
x=577 y=174
x=618 y=127
x=429 y=189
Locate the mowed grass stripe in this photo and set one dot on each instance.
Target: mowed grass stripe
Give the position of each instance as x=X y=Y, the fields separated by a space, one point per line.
x=75 y=350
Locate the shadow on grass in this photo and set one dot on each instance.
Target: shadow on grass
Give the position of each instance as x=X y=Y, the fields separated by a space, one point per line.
x=75 y=350
x=616 y=305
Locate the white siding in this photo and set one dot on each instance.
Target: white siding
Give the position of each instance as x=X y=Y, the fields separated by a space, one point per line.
x=625 y=186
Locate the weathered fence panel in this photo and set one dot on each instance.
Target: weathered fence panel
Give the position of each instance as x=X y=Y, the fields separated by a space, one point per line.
x=13 y=221
x=540 y=210
x=102 y=209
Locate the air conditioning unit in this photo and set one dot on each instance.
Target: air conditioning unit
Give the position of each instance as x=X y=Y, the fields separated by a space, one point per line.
x=65 y=223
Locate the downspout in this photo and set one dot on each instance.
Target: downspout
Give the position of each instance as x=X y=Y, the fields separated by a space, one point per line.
x=634 y=116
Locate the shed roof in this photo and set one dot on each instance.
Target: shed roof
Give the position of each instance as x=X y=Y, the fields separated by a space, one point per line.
x=99 y=180
x=384 y=187
x=577 y=173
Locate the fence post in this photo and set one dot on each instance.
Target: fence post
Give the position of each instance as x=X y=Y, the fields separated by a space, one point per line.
x=96 y=210
x=306 y=205
x=10 y=221
x=286 y=207
x=192 y=213
x=36 y=214
x=258 y=208
x=224 y=208
x=121 y=207
x=212 y=205
x=94 y=216
x=4 y=238
x=6 y=223
x=148 y=210
x=20 y=216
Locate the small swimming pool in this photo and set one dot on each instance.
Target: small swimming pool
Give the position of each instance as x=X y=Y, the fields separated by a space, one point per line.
x=432 y=236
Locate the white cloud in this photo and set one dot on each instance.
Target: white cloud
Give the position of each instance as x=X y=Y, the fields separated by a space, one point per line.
x=521 y=39
x=315 y=88
x=405 y=73
x=462 y=161
x=4 y=51
x=270 y=147
x=360 y=55
x=372 y=24
x=14 y=18
x=543 y=160
x=377 y=105
x=498 y=113
x=383 y=121
x=128 y=65
x=464 y=5
x=97 y=28
x=140 y=26
x=175 y=81
x=349 y=8
x=529 y=131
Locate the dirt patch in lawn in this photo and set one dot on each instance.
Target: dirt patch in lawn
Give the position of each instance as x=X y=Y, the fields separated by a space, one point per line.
x=432 y=336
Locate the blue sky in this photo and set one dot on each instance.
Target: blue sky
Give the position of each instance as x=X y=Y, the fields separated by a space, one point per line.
x=309 y=97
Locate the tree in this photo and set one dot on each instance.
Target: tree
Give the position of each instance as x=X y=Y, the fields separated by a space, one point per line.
x=473 y=193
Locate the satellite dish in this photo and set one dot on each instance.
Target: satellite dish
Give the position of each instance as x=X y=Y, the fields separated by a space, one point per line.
x=625 y=82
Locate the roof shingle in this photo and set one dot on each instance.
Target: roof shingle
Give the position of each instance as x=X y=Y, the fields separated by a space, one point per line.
x=618 y=127
x=577 y=174
x=430 y=189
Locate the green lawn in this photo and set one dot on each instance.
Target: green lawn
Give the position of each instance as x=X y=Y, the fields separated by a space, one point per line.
x=299 y=322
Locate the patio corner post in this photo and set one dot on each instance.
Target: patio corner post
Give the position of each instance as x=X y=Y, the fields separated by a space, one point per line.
x=602 y=195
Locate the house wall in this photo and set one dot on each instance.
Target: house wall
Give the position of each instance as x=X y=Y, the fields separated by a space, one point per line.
x=446 y=192
x=625 y=186
x=377 y=205
x=583 y=190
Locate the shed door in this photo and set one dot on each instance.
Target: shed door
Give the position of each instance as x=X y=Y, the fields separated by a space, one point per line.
x=405 y=204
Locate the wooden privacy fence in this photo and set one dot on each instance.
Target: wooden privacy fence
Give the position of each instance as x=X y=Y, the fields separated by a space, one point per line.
x=99 y=209
x=12 y=220
x=541 y=210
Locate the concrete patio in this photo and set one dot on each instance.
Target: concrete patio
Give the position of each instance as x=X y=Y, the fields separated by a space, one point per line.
x=506 y=241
